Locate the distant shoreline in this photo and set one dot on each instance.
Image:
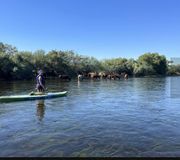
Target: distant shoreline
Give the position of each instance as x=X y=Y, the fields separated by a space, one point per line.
x=75 y=78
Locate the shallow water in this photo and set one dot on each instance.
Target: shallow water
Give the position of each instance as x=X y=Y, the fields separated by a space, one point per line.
x=134 y=117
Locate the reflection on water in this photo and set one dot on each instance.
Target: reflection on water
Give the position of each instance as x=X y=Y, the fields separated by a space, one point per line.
x=40 y=109
x=134 y=117
x=79 y=83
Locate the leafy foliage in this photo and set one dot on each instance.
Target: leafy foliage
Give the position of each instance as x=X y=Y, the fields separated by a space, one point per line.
x=173 y=70
x=24 y=65
x=151 y=64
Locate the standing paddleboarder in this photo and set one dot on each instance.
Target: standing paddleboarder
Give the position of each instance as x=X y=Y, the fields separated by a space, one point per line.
x=40 y=80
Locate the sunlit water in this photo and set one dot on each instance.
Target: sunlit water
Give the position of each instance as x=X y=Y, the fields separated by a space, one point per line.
x=134 y=117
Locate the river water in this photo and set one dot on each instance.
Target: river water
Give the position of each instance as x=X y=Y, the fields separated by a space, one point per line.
x=134 y=117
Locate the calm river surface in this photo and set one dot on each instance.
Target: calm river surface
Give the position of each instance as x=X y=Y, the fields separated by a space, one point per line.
x=134 y=117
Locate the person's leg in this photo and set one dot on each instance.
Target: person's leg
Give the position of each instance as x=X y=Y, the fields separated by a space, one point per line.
x=38 y=87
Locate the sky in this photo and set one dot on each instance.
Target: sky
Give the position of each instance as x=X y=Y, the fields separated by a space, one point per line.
x=99 y=28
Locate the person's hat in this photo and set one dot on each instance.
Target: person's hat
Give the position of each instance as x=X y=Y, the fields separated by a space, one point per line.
x=40 y=71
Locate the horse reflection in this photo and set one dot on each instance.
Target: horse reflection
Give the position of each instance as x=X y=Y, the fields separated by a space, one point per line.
x=40 y=110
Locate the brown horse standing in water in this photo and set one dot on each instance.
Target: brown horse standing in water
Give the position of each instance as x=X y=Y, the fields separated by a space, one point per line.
x=102 y=75
x=93 y=75
x=113 y=76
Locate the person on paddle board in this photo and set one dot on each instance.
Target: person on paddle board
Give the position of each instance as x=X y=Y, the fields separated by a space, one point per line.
x=40 y=80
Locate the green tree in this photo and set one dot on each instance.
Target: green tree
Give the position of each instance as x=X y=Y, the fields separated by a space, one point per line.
x=6 y=66
x=23 y=65
x=173 y=70
x=8 y=49
x=151 y=64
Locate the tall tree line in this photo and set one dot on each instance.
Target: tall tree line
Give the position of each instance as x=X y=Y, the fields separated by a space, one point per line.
x=16 y=64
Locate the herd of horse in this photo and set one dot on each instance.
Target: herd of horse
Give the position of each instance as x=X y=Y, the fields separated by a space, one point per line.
x=95 y=76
